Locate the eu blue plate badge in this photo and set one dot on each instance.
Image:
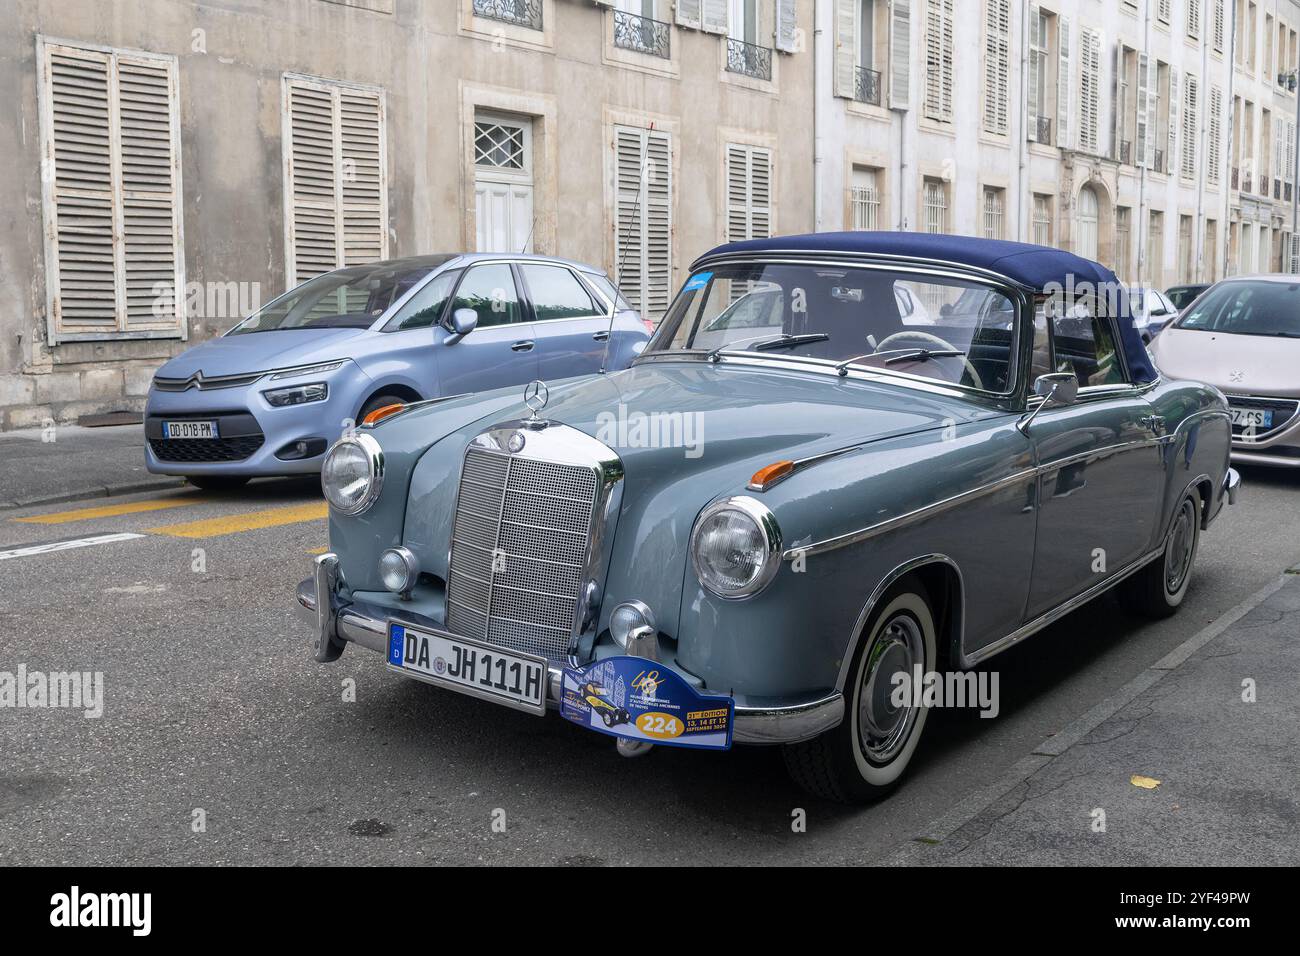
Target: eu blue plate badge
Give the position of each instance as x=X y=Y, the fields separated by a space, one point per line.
x=639 y=699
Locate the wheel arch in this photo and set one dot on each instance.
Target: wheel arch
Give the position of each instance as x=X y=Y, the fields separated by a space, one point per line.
x=945 y=587
x=404 y=392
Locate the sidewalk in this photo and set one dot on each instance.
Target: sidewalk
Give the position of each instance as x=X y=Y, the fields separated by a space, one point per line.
x=1229 y=771
x=79 y=463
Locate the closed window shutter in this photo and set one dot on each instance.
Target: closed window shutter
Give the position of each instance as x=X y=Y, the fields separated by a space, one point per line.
x=1063 y=83
x=336 y=181
x=1218 y=25
x=1089 y=89
x=786 y=25
x=1191 y=97
x=938 y=60
x=643 y=241
x=1033 y=109
x=1194 y=18
x=997 y=64
x=1213 y=155
x=900 y=55
x=1162 y=10
x=749 y=192
x=111 y=149
x=688 y=13
x=846 y=41
x=1143 y=144
x=715 y=17
x=1170 y=160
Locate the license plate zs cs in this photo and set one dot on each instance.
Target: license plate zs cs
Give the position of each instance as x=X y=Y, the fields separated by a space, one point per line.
x=190 y=430
x=480 y=670
x=1252 y=417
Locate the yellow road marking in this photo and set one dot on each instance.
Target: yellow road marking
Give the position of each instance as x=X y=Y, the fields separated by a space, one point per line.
x=318 y=550
x=249 y=521
x=112 y=511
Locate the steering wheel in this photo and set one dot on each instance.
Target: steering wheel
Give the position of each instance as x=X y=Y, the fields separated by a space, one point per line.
x=911 y=338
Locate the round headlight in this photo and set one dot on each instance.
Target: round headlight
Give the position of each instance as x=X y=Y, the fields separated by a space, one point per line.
x=352 y=474
x=736 y=547
x=398 y=569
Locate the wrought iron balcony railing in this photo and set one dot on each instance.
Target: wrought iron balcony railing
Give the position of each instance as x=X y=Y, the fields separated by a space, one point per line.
x=1043 y=130
x=866 y=86
x=1159 y=164
x=749 y=59
x=1236 y=177
x=643 y=35
x=1126 y=152
x=524 y=13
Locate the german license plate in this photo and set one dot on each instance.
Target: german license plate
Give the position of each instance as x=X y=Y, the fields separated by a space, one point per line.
x=1252 y=417
x=190 y=430
x=480 y=670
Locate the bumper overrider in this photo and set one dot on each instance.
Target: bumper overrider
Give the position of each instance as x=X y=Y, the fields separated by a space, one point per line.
x=338 y=622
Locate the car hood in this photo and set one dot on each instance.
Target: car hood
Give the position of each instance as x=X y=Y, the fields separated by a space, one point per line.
x=1238 y=364
x=260 y=351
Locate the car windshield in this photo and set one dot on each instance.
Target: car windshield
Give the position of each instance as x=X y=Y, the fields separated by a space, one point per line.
x=349 y=298
x=933 y=327
x=1247 y=308
x=1182 y=296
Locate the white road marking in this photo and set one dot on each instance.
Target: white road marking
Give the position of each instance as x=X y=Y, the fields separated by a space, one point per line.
x=67 y=545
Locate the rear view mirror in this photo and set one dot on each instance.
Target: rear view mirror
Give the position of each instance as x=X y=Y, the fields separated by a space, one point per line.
x=1059 y=388
x=463 y=322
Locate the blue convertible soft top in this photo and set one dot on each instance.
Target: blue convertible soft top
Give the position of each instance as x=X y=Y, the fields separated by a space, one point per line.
x=1037 y=267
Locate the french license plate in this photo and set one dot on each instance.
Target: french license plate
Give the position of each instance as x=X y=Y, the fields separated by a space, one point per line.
x=190 y=430
x=480 y=670
x=1252 y=417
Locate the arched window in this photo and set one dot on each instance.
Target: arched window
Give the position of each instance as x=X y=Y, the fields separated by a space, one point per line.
x=1087 y=224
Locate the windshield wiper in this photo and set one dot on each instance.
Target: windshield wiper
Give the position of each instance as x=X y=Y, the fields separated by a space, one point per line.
x=769 y=344
x=901 y=355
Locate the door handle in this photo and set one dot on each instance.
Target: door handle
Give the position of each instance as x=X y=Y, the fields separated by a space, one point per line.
x=525 y=346
x=601 y=336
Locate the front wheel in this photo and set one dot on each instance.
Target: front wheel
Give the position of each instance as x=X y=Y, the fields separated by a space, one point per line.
x=863 y=758
x=1157 y=591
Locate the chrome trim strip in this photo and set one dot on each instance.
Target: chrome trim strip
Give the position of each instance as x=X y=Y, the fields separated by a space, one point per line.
x=787 y=725
x=1054 y=615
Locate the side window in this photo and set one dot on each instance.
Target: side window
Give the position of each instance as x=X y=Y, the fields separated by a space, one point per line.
x=556 y=293
x=425 y=308
x=490 y=291
x=1085 y=345
x=1040 y=362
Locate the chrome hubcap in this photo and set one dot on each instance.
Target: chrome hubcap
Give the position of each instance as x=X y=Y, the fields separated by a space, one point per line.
x=1179 y=553
x=883 y=725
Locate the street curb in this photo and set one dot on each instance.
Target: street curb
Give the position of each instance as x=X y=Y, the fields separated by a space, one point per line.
x=102 y=491
x=914 y=852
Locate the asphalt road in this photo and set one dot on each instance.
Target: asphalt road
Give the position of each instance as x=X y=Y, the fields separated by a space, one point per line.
x=212 y=703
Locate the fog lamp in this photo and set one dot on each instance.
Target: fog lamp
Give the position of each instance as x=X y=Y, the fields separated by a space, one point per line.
x=632 y=625
x=399 y=569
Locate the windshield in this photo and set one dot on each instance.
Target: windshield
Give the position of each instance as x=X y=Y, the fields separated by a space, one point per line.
x=1247 y=308
x=345 y=299
x=948 y=330
x=1182 y=296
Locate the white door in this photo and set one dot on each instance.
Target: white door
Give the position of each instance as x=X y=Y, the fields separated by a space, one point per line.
x=504 y=214
x=1087 y=224
x=503 y=183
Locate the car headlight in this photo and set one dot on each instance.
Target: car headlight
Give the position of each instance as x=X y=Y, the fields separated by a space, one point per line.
x=736 y=547
x=297 y=394
x=307 y=370
x=352 y=474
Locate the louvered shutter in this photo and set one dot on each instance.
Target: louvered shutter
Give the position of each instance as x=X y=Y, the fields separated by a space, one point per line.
x=997 y=65
x=1162 y=10
x=1191 y=105
x=787 y=22
x=643 y=237
x=1170 y=155
x=1063 y=83
x=846 y=42
x=749 y=192
x=1089 y=89
x=900 y=55
x=688 y=13
x=1218 y=25
x=1194 y=18
x=111 y=160
x=337 y=204
x=1213 y=154
x=715 y=16
x=938 y=60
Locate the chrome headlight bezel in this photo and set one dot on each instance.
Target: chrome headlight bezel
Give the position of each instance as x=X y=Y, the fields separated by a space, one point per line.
x=374 y=457
x=764 y=521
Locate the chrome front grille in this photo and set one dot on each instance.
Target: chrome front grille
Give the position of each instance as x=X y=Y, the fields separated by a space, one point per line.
x=520 y=544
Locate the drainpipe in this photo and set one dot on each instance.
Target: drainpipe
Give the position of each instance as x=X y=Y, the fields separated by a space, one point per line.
x=1202 y=132
x=1139 y=227
x=1025 y=209
x=819 y=60
x=1226 y=218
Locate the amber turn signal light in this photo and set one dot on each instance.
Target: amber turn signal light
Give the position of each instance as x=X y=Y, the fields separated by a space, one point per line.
x=382 y=412
x=769 y=475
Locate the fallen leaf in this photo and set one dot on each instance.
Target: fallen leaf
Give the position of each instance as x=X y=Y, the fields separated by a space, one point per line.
x=1146 y=783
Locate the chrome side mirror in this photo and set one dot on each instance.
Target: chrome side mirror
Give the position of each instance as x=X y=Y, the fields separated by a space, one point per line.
x=1058 y=388
x=463 y=322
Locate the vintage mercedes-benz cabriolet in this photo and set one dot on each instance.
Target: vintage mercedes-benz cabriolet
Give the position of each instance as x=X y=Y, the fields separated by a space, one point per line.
x=901 y=455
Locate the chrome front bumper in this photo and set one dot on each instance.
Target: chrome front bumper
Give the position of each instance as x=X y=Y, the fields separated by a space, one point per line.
x=338 y=624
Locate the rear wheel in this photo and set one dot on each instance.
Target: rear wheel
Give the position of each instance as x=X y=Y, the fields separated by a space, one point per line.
x=218 y=482
x=863 y=758
x=1158 y=589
